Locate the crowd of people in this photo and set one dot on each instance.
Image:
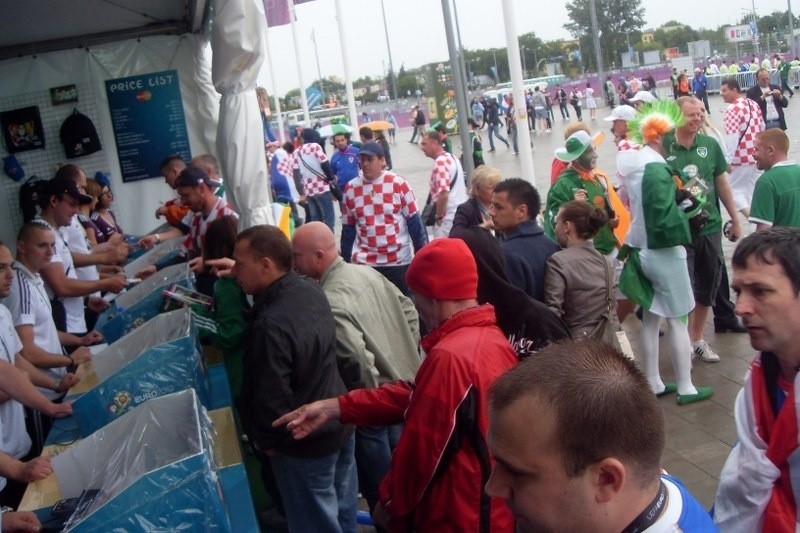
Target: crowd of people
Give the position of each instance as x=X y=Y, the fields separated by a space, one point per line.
x=456 y=362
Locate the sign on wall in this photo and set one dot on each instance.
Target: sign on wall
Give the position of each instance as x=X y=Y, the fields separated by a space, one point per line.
x=738 y=34
x=148 y=120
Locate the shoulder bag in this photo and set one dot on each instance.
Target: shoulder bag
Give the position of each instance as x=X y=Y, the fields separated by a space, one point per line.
x=336 y=191
x=606 y=330
x=429 y=211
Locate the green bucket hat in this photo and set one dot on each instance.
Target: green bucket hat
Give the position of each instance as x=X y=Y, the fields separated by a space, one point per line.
x=577 y=143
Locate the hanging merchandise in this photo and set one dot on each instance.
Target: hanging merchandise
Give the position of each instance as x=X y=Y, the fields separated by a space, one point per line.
x=79 y=136
x=12 y=168
x=22 y=129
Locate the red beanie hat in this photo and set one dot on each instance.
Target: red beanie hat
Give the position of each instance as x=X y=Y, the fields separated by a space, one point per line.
x=444 y=270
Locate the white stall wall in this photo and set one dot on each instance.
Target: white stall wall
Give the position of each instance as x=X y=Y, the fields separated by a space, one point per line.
x=28 y=79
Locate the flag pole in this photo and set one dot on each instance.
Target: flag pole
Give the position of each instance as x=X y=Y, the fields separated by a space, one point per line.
x=348 y=81
x=515 y=68
x=270 y=73
x=303 y=97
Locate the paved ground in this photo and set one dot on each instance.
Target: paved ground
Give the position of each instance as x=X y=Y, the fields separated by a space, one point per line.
x=699 y=436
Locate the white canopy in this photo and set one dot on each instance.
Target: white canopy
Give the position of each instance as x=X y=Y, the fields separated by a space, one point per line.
x=238 y=44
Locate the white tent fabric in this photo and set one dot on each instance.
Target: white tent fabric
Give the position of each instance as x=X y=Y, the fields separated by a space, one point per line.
x=239 y=49
x=207 y=110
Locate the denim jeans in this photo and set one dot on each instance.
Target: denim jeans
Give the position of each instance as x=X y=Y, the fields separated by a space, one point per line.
x=494 y=131
x=319 y=494
x=397 y=275
x=320 y=208
x=514 y=138
x=373 y=458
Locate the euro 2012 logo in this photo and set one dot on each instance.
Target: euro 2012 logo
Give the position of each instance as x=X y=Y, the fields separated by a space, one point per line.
x=122 y=403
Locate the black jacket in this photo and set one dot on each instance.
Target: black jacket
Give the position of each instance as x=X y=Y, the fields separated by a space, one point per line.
x=754 y=93
x=528 y=324
x=467 y=215
x=289 y=361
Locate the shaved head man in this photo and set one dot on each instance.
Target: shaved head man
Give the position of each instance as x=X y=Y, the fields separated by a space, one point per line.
x=377 y=333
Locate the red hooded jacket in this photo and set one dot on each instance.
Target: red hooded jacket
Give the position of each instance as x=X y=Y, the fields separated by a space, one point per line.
x=442 y=461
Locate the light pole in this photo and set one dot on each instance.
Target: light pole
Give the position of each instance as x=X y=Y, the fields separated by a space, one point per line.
x=496 y=72
x=793 y=47
x=389 y=49
x=319 y=72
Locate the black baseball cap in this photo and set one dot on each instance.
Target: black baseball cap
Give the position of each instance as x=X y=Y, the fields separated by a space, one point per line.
x=192 y=176
x=59 y=186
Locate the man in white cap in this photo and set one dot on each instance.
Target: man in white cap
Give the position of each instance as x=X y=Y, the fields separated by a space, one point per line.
x=700 y=87
x=619 y=118
x=641 y=98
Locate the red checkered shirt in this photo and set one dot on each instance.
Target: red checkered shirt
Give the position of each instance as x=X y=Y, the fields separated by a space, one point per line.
x=313 y=184
x=285 y=163
x=444 y=170
x=379 y=210
x=743 y=120
x=198 y=224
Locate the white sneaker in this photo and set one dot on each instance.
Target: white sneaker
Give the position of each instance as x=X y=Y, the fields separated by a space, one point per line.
x=702 y=350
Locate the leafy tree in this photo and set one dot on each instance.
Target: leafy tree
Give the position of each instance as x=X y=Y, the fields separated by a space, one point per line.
x=676 y=36
x=405 y=83
x=615 y=19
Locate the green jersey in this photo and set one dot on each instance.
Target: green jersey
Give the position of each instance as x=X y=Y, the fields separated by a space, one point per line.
x=776 y=199
x=784 y=69
x=705 y=160
x=563 y=191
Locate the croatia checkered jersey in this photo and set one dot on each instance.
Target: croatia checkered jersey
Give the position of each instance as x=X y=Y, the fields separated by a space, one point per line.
x=285 y=163
x=444 y=170
x=743 y=121
x=379 y=210
x=313 y=156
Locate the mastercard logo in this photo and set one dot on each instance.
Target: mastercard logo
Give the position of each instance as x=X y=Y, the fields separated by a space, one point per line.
x=143 y=96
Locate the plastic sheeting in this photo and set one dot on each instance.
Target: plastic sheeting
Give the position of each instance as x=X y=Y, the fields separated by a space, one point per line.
x=142 y=302
x=239 y=50
x=154 y=255
x=154 y=468
x=159 y=358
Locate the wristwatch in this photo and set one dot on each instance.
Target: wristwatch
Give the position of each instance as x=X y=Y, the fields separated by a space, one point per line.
x=158 y=238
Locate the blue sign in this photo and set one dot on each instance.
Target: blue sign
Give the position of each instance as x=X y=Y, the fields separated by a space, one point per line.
x=314 y=96
x=148 y=120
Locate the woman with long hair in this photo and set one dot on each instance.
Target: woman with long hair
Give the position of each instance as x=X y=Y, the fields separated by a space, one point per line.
x=102 y=215
x=528 y=324
x=579 y=282
x=225 y=325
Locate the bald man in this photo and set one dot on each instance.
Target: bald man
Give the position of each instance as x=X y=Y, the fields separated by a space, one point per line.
x=377 y=334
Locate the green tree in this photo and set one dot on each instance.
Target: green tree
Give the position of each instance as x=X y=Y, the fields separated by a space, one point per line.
x=405 y=83
x=615 y=19
x=675 y=35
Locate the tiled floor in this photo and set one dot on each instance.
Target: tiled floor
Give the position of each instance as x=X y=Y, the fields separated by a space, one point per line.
x=699 y=436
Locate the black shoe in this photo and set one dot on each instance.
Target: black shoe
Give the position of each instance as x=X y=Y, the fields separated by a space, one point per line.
x=733 y=326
